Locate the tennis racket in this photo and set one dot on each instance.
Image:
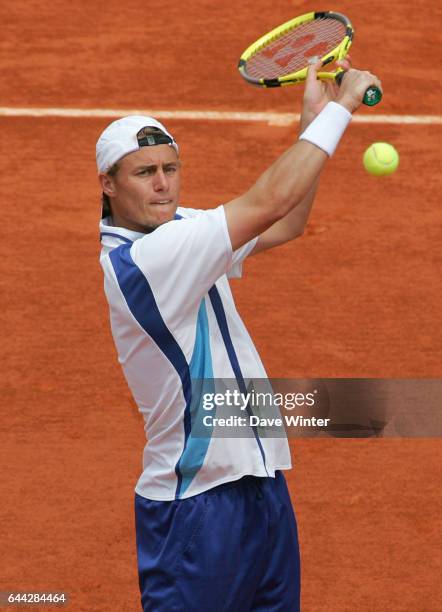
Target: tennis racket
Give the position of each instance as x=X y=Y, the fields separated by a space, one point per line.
x=282 y=56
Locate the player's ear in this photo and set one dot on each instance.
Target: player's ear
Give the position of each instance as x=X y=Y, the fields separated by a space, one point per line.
x=107 y=184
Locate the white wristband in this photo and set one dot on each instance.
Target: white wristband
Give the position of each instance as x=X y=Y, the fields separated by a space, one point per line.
x=327 y=129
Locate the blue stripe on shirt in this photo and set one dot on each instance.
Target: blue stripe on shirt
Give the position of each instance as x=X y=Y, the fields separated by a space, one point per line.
x=220 y=315
x=141 y=302
x=123 y=238
x=201 y=372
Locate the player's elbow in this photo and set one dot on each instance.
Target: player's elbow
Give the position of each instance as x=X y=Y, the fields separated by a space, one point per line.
x=275 y=198
x=292 y=232
x=281 y=202
x=269 y=206
x=298 y=232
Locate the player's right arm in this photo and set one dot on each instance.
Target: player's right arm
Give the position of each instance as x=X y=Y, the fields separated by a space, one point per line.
x=284 y=185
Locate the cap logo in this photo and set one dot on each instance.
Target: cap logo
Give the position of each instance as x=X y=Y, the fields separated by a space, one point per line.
x=150 y=136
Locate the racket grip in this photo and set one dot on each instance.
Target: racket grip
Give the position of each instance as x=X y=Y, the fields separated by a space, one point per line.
x=372 y=96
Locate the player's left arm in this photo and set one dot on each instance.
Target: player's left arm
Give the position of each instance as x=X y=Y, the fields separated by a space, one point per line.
x=290 y=227
x=316 y=95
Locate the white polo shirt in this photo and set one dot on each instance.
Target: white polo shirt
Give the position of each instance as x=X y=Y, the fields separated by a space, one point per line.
x=174 y=320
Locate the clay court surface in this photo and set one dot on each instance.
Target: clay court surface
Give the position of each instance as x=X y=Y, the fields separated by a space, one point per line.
x=359 y=295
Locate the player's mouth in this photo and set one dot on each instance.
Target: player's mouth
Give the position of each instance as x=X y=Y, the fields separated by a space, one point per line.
x=161 y=202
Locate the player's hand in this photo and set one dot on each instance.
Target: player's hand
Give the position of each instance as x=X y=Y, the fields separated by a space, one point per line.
x=318 y=93
x=353 y=87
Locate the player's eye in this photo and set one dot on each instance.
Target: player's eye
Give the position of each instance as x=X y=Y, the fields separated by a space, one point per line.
x=170 y=169
x=146 y=171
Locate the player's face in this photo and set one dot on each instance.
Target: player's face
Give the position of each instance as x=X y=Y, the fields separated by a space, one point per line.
x=145 y=190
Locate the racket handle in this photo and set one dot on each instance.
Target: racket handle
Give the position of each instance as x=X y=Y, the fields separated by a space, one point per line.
x=372 y=96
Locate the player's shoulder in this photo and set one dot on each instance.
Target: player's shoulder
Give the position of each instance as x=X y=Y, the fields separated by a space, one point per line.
x=183 y=212
x=195 y=232
x=204 y=216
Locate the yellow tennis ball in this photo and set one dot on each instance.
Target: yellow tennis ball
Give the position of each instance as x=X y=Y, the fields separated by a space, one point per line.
x=381 y=159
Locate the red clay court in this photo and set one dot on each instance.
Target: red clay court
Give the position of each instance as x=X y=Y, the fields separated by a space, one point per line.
x=359 y=295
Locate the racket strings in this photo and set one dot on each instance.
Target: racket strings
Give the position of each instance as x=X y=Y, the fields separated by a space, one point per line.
x=291 y=51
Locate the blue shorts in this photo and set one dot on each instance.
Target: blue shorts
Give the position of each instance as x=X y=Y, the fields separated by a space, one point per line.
x=233 y=548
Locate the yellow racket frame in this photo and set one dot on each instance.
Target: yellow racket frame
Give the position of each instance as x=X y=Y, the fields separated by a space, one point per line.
x=337 y=53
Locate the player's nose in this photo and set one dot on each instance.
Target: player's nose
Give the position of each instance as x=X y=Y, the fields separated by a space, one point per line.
x=160 y=181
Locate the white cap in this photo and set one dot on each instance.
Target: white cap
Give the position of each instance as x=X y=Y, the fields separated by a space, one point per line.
x=126 y=136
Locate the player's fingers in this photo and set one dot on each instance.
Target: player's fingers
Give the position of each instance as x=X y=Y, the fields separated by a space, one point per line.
x=373 y=79
x=315 y=65
x=345 y=64
x=362 y=76
x=354 y=86
x=333 y=88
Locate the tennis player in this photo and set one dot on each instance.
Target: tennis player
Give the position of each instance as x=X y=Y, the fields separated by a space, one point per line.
x=215 y=528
